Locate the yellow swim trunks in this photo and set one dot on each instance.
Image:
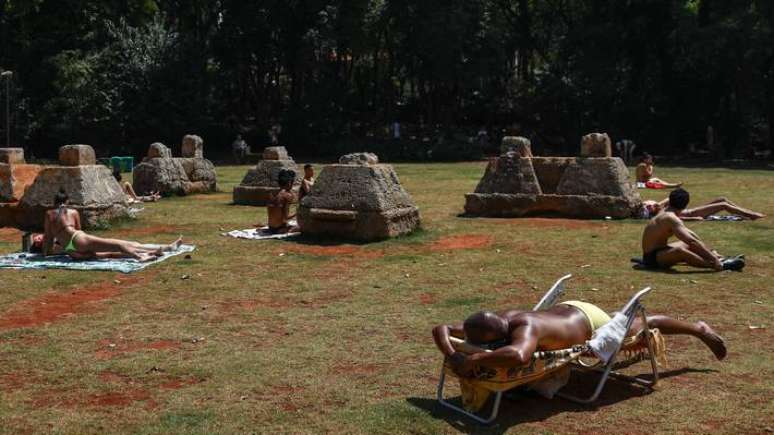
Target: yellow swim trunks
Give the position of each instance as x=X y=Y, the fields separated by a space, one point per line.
x=594 y=314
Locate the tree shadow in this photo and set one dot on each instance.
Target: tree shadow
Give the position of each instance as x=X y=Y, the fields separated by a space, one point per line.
x=520 y=407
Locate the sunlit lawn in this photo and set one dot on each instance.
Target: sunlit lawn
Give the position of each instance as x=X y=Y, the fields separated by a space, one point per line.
x=288 y=336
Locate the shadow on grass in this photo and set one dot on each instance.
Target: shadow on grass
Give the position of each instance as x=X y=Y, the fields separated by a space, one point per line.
x=520 y=407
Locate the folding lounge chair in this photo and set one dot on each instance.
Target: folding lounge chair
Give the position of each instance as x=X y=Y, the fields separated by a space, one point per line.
x=487 y=381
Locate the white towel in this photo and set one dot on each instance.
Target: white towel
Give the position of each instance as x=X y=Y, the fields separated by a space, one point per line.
x=607 y=339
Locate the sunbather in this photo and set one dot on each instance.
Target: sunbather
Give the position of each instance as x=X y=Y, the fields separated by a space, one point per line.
x=644 y=173
x=659 y=253
x=514 y=335
x=278 y=208
x=129 y=190
x=651 y=208
x=306 y=183
x=63 y=234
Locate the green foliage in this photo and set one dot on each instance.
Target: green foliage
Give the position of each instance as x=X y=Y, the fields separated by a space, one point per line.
x=337 y=72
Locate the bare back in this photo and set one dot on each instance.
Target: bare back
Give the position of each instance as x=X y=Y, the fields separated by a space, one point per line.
x=658 y=231
x=60 y=225
x=279 y=209
x=558 y=327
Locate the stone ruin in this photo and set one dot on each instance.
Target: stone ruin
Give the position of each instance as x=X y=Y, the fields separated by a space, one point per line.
x=594 y=185
x=15 y=174
x=516 y=144
x=260 y=183
x=91 y=188
x=358 y=199
x=187 y=175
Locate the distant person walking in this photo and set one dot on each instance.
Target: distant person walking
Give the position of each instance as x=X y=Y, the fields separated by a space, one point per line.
x=239 y=148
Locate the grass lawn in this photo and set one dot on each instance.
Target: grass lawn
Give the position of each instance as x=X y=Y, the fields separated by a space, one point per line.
x=287 y=336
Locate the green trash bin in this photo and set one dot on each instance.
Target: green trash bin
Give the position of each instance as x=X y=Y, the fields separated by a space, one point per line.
x=125 y=164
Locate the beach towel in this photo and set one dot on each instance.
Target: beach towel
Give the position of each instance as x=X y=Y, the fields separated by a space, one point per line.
x=262 y=233
x=26 y=260
x=724 y=218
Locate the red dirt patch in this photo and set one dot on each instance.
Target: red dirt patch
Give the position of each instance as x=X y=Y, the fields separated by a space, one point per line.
x=463 y=241
x=51 y=307
x=355 y=369
x=128 y=346
x=427 y=298
x=118 y=398
x=13 y=381
x=10 y=235
x=150 y=231
x=176 y=384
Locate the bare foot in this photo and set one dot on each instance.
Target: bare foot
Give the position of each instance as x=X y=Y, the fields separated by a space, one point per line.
x=712 y=340
x=146 y=257
x=754 y=215
x=176 y=244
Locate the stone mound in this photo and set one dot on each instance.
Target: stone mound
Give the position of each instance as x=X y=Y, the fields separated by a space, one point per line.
x=260 y=183
x=359 y=159
x=358 y=202
x=91 y=188
x=12 y=156
x=14 y=180
x=584 y=188
x=516 y=144
x=596 y=145
x=160 y=172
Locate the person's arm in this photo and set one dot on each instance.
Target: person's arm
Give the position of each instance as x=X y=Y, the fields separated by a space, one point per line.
x=77 y=221
x=519 y=352
x=692 y=240
x=441 y=334
x=48 y=237
x=288 y=199
x=649 y=171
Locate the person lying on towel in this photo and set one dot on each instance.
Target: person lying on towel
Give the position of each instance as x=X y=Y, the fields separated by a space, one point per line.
x=63 y=235
x=515 y=335
x=658 y=253
x=645 y=178
x=651 y=208
x=131 y=196
x=278 y=208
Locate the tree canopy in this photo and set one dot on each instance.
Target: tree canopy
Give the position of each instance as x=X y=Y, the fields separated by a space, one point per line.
x=120 y=74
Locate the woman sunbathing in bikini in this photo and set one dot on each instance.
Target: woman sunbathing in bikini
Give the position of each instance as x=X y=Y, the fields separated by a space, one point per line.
x=645 y=178
x=63 y=234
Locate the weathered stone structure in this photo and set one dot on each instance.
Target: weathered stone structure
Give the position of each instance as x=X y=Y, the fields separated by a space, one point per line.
x=517 y=144
x=587 y=188
x=91 y=188
x=12 y=156
x=596 y=145
x=15 y=174
x=160 y=172
x=361 y=201
x=260 y=183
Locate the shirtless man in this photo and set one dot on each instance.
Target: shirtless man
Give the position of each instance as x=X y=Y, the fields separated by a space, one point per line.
x=278 y=208
x=659 y=253
x=63 y=225
x=307 y=182
x=514 y=335
x=651 y=208
x=644 y=173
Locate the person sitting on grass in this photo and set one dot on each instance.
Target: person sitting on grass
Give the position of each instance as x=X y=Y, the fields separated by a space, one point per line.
x=307 y=182
x=658 y=253
x=63 y=234
x=514 y=335
x=131 y=196
x=644 y=174
x=278 y=208
x=651 y=208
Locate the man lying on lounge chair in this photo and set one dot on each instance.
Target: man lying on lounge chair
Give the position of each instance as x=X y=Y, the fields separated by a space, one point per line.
x=651 y=208
x=659 y=253
x=515 y=335
x=63 y=234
